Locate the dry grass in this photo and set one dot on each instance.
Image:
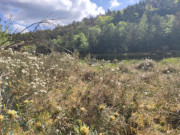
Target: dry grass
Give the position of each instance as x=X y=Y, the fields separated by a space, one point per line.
x=59 y=94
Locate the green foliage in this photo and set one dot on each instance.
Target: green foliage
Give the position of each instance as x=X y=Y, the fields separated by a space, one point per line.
x=80 y=42
x=104 y=20
x=4 y=30
x=149 y=26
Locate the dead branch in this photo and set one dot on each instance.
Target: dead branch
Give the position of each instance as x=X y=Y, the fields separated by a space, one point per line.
x=36 y=25
x=17 y=46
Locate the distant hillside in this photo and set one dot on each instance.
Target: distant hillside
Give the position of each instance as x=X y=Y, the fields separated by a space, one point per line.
x=150 y=25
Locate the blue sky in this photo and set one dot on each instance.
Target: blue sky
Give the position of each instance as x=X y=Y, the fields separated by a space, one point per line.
x=106 y=3
x=26 y=12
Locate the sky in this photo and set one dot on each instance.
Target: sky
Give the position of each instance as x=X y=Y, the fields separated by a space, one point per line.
x=26 y=12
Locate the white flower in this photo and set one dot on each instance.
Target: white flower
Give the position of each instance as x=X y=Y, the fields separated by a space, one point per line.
x=35 y=93
x=118 y=83
x=24 y=71
x=34 y=86
x=41 y=63
x=43 y=91
x=145 y=93
x=57 y=130
x=10 y=51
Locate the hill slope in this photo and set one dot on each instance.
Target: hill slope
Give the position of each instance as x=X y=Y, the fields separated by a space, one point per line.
x=151 y=25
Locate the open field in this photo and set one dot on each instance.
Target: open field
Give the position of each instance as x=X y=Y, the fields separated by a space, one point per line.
x=59 y=94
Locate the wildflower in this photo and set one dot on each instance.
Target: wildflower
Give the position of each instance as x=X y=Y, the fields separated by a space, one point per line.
x=82 y=109
x=31 y=101
x=1 y=118
x=116 y=114
x=12 y=113
x=101 y=107
x=18 y=81
x=57 y=130
x=43 y=91
x=24 y=71
x=34 y=86
x=84 y=130
x=35 y=93
x=112 y=69
x=115 y=60
x=26 y=102
x=141 y=106
x=58 y=108
x=38 y=124
x=100 y=133
x=112 y=118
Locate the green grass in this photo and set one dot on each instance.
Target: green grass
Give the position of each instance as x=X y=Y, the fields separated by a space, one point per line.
x=171 y=60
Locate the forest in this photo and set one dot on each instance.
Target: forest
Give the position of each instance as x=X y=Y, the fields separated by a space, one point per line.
x=149 y=26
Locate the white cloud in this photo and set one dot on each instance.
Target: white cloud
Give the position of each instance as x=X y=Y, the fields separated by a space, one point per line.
x=114 y=4
x=19 y=28
x=132 y=1
x=26 y=12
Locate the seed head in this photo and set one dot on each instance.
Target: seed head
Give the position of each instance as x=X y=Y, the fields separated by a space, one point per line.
x=112 y=118
x=116 y=114
x=101 y=107
x=82 y=109
x=26 y=101
x=84 y=130
x=1 y=118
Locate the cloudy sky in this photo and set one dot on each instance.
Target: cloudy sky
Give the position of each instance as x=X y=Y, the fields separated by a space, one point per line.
x=25 y=12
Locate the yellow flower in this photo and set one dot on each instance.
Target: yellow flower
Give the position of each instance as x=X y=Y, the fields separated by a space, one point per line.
x=74 y=106
x=31 y=101
x=82 y=109
x=112 y=118
x=26 y=101
x=115 y=60
x=100 y=133
x=38 y=124
x=1 y=118
x=84 y=130
x=116 y=114
x=12 y=113
x=49 y=122
x=101 y=107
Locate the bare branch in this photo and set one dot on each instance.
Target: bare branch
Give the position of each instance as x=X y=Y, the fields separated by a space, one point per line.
x=36 y=24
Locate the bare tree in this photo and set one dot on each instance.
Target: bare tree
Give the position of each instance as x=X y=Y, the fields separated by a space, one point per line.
x=35 y=27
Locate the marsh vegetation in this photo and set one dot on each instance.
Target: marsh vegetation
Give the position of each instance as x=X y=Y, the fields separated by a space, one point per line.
x=61 y=94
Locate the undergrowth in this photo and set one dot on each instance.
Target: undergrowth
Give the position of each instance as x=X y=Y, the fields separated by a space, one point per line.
x=58 y=94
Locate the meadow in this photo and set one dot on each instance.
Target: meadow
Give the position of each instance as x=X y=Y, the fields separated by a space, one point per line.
x=60 y=94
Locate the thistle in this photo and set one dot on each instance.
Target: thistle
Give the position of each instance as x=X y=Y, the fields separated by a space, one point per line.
x=84 y=131
x=112 y=118
x=1 y=118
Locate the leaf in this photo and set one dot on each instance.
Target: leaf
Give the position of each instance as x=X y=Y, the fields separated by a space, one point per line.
x=80 y=123
x=76 y=130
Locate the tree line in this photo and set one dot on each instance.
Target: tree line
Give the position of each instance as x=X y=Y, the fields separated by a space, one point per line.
x=150 y=25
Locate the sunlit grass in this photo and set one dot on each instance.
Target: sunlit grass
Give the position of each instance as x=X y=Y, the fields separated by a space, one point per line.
x=59 y=94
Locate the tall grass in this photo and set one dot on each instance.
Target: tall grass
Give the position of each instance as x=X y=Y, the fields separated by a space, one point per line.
x=59 y=94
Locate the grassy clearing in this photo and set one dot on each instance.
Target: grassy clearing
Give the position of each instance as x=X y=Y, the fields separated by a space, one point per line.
x=58 y=94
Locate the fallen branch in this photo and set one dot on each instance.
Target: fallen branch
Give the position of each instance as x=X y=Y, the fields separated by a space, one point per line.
x=17 y=46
